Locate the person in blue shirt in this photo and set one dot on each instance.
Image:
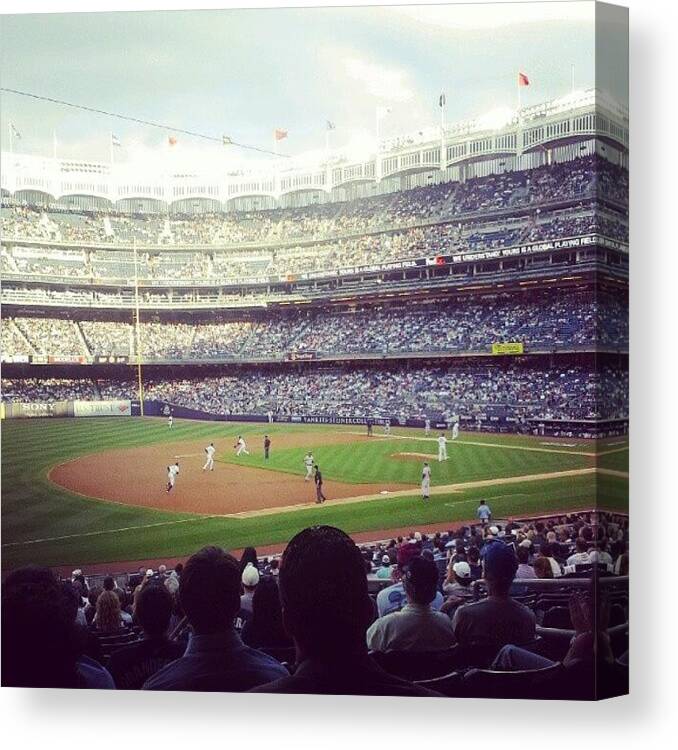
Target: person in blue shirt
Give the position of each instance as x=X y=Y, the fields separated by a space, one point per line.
x=484 y=513
x=215 y=659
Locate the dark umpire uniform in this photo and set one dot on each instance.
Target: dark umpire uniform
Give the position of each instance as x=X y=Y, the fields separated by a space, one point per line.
x=267 y=446
x=318 y=478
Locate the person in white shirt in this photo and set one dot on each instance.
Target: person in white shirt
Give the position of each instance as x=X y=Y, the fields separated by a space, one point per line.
x=426 y=481
x=417 y=626
x=427 y=427
x=455 y=430
x=241 y=447
x=172 y=472
x=308 y=463
x=581 y=556
x=210 y=451
x=170 y=421
x=442 y=447
x=387 y=427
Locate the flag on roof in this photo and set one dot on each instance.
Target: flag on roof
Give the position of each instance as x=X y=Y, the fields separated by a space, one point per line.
x=279 y=134
x=523 y=80
x=442 y=100
x=227 y=140
x=171 y=140
x=115 y=141
x=15 y=132
x=331 y=125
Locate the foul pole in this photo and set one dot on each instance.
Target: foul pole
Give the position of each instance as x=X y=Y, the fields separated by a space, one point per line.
x=137 y=332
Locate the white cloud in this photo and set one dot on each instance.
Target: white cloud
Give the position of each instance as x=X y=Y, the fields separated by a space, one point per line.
x=495 y=15
x=379 y=81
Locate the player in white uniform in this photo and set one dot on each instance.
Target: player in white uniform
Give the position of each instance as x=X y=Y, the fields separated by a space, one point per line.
x=170 y=421
x=308 y=463
x=209 y=463
x=172 y=472
x=455 y=430
x=426 y=481
x=269 y=416
x=427 y=427
x=387 y=427
x=442 y=447
x=241 y=447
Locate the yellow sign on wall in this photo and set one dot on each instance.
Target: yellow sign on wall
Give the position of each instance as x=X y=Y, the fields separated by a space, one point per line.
x=510 y=347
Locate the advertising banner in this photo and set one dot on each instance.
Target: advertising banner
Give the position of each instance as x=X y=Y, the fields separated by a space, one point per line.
x=121 y=408
x=509 y=347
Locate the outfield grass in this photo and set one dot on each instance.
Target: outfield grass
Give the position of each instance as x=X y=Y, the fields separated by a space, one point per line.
x=98 y=531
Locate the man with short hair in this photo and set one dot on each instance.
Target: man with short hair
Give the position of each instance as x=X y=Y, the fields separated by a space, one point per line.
x=132 y=665
x=484 y=513
x=525 y=570
x=326 y=609
x=581 y=555
x=215 y=658
x=393 y=597
x=498 y=619
x=318 y=479
x=416 y=627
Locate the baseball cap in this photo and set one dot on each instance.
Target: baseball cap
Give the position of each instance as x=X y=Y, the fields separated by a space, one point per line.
x=386 y=559
x=250 y=576
x=494 y=531
x=149 y=572
x=462 y=569
x=500 y=561
x=407 y=553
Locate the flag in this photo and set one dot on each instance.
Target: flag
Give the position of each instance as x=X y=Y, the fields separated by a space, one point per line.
x=331 y=125
x=15 y=132
x=226 y=140
x=442 y=100
x=523 y=80
x=171 y=140
x=382 y=112
x=115 y=141
x=279 y=134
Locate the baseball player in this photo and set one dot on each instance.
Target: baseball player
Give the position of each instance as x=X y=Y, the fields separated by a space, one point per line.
x=269 y=416
x=172 y=472
x=241 y=447
x=318 y=479
x=267 y=447
x=427 y=427
x=369 y=426
x=455 y=430
x=309 y=461
x=442 y=447
x=209 y=463
x=426 y=481
x=387 y=427
x=170 y=421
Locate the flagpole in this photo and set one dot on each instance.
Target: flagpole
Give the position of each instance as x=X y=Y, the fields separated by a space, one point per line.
x=443 y=155
x=54 y=145
x=11 y=138
x=110 y=145
x=572 y=78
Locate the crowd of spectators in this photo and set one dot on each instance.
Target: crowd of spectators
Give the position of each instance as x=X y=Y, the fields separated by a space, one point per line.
x=555 y=321
x=307 y=623
x=581 y=179
x=481 y=394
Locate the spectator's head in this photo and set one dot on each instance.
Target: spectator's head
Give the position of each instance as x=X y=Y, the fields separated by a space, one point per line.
x=178 y=568
x=153 y=609
x=109 y=583
x=500 y=565
x=108 y=611
x=209 y=591
x=250 y=577
x=266 y=608
x=523 y=554
x=323 y=588
x=542 y=568
x=473 y=555
x=162 y=570
x=420 y=581
x=40 y=640
x=581 y=545
x=462 y=573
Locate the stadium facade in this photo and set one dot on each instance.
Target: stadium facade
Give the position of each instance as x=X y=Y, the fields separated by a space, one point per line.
x=500 y=253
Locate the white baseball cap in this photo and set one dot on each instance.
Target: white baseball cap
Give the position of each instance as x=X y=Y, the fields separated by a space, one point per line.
x=462 y=569
x=250 y=576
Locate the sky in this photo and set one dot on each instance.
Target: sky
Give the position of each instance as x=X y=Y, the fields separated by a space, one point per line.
x=244 y=73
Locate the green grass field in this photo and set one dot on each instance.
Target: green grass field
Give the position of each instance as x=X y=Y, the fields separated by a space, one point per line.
x=44 y=524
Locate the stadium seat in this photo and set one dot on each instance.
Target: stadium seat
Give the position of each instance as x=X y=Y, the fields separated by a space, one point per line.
x=528 y=683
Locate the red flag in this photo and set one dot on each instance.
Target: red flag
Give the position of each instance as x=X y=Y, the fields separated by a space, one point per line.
x=280 y=134
x=172 y=140
x=523 y=80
